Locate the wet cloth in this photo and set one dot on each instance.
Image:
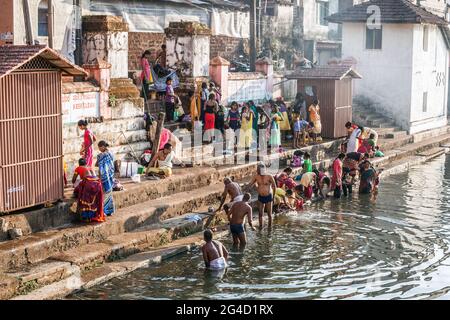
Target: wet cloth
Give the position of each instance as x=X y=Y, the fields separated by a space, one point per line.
x=106 y=169
x=218 y=264
x=90 y=200
x=88 y=148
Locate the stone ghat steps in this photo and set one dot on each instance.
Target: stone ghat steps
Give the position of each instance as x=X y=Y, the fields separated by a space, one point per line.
x=91 y=263
x=77 y=265
x=39 y=246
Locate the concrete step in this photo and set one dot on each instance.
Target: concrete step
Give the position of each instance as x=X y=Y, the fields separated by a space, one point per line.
x=85 y=258
x=39 y=246
x=388 y=144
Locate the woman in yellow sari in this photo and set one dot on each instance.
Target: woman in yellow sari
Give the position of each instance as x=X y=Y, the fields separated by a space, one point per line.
x=246 y=131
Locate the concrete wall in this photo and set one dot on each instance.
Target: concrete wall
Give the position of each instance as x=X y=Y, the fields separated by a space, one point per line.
x=430 y=73
x=387 y=73
x=62 y=12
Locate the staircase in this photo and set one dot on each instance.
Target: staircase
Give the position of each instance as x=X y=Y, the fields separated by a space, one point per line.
x=389 y=134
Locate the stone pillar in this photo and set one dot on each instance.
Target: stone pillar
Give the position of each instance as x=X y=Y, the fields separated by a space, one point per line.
x=100 y=73
x=188 y=45
x=106 y=38
x=265 y=66
x=218 y=72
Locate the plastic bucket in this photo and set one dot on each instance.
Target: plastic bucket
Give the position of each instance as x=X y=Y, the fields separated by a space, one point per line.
x=140 y=170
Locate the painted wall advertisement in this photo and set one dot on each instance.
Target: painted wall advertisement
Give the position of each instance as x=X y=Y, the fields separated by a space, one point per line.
x=78 y=106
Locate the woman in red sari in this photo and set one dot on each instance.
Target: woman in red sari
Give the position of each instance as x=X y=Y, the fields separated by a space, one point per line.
x=90 y=199
x=87 y=150
x=336 y=179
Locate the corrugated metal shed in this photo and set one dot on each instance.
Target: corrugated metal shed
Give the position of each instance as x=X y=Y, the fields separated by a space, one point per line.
x=31 y=167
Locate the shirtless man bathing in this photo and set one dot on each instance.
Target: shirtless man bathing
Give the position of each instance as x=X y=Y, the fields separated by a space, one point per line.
x=236 y=213
x=266 y=186
x=233 y=189
x=214 y=252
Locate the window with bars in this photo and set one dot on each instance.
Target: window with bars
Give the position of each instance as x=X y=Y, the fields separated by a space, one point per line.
x=374 y=38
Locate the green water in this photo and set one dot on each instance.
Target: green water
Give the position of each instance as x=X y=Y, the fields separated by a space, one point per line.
x=392 y=247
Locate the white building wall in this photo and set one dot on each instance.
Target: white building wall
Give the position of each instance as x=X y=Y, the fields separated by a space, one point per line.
x=387 y=73
x=311 y=29
x=430 y=74
x=62 y=11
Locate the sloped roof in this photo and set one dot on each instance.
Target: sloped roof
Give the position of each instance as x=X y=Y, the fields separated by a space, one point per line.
x=392 y=11
x=325 y=72
x=13 y=57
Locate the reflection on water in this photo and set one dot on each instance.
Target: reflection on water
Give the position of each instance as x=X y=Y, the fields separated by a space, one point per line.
x=394 y=248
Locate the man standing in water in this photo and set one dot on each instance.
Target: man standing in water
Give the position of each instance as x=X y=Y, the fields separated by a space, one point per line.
x=266 y=187
x=214 y=252
x=233 y=189
x=236 y=214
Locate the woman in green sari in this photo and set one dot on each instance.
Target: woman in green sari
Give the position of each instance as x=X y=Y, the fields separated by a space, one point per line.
x=275 y=132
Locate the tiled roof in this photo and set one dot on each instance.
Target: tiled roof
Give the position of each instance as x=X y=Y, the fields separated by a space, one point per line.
x=325 y=72
x=14 y=56
x=392 y=11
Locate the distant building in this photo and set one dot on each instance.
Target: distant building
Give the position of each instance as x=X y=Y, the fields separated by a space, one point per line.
x=404 y=60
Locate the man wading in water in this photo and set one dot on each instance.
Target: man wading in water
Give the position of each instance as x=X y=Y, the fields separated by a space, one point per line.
x=215 y=254
x=266 y=187
x=237 y=212
x=233 y=189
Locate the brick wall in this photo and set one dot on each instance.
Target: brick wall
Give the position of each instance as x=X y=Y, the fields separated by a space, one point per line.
x=227 y=47
x=138 y=42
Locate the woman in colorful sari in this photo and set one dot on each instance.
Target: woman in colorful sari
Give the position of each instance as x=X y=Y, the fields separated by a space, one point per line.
x=368 y=176
x=90 y=199
x=105 y=163
x=275 y=132
x=87 y=149
x=336 y=179
x=314 y=117
x=246 y=132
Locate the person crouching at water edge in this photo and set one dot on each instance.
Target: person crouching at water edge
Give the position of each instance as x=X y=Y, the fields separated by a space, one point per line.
x=214 y=252
x=161 y=164
x=266 y=186
x=236 y=213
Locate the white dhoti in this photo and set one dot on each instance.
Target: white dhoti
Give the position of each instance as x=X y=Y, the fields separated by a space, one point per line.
x=218 y=264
